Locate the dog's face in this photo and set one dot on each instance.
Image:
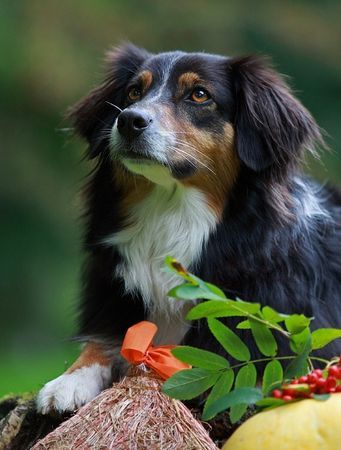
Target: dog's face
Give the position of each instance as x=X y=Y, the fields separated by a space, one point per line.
x=176 y=112
x=198 y=117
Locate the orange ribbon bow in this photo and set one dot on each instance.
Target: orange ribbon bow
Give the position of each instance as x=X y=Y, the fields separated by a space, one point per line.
x=137 y=348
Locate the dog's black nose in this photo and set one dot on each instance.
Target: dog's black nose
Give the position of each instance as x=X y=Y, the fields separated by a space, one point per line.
x=132 y=123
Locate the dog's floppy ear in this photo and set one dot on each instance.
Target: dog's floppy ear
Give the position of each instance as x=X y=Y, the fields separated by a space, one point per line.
x=271 y=126
x=93 y=115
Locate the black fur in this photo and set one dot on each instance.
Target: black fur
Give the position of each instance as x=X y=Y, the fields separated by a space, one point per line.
x=271 y=125
x=261 y=251
x=256 y=257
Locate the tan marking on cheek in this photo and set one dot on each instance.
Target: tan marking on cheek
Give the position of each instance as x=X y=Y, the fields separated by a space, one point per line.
x=218 y=153
x=92 y=353
x=146 y=78
x=228 y=134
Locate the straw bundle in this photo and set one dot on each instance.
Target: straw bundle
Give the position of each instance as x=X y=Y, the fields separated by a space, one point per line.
x=132 y=415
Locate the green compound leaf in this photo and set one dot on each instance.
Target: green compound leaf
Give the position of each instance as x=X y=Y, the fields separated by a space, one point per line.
x=215 y=290
x=238 y=396
x=188 y=291
x=246 y=377
x=273 y=375
x=213 y=308
x=172 y=265
x=244 y=325
x=200 y=358
x=189 y=383
x=229 y=340
x=297 y=341
x=222 y=308
x=272 y=316
x=299 y=365
x=194 y=287
x=252 y=308
x=296 y=323
x=264 y=338
x=270 y=403
x=324 y=336
x=221 y=388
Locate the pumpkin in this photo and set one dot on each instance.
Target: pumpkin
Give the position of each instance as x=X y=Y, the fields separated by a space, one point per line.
x=305 y=425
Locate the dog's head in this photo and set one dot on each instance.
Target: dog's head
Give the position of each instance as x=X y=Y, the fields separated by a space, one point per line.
x=194 y=115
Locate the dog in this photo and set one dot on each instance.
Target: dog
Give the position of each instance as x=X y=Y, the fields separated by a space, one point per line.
x=198 y=157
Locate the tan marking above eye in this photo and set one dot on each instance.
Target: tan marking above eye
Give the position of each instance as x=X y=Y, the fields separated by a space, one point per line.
x=192 y=81
x=188 y=79
x=146 y=78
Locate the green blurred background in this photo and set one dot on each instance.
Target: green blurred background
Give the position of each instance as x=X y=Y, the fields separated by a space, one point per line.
x=51 y=54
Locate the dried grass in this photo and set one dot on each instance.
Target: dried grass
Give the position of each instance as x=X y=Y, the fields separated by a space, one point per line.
x=132 y=415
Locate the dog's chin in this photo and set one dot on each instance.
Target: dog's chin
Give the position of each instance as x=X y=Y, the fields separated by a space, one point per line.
x=157 y=171
x=151 y=169
x=139 y=157
x=132 y=159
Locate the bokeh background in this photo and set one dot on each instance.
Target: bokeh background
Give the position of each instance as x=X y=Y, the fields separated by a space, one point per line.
x=51 y=54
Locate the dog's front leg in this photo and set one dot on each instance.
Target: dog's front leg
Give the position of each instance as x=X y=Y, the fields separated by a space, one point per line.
x=106 y=312
x=85 y=379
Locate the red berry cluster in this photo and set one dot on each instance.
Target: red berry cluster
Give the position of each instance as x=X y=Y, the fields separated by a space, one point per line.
x=318 y=381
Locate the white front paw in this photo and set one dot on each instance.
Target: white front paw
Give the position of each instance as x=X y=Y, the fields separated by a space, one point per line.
x=70 y=391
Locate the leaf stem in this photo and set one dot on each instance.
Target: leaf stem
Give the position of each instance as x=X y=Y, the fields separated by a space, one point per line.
x=316 y=358
x=269 y=325
x=264 y=322
x=311 y=365
x=255 y=361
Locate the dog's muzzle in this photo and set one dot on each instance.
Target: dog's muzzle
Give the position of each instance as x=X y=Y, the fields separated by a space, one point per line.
x=132 y=123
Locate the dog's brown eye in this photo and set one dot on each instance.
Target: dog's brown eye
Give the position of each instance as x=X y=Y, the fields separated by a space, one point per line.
x=200 y=95
x=134 y=94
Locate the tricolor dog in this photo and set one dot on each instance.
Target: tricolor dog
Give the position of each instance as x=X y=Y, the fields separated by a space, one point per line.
x=198 y=157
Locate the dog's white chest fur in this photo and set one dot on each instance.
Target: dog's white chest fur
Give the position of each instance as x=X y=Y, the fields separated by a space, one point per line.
x=172 y=221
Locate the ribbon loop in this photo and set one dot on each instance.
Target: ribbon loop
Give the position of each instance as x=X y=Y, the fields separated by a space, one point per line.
x=137 y=348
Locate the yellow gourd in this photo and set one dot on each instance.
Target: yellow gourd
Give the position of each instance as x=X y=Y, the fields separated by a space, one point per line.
x=304 y=425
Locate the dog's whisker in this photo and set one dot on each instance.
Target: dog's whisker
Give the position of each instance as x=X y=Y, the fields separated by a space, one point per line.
x=179 y=152
x=115 y=106
x=66 y=130
x=183 y=152
x=171 y=133
x=193 y=148
x=180 y=141
x=186 y=144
